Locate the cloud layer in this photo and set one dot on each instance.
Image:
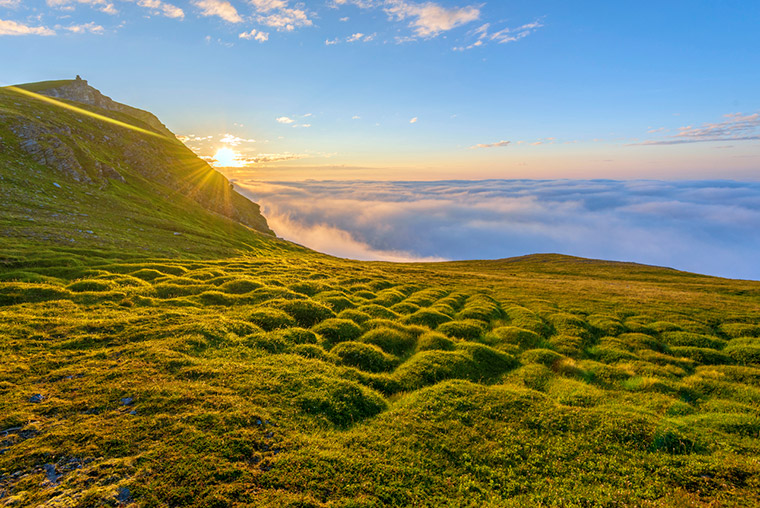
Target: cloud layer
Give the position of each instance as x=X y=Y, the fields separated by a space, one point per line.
x=701 y=226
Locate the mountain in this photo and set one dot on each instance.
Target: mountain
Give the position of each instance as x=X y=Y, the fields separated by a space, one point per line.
x=160 y=347
x=91 y=182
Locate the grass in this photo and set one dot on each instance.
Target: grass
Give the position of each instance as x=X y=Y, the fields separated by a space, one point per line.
x=224 y=367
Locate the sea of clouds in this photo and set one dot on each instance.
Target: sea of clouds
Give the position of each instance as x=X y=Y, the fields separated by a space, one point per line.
x=710 y=227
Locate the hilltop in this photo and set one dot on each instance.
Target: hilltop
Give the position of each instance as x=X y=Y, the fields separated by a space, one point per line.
x=161 y=347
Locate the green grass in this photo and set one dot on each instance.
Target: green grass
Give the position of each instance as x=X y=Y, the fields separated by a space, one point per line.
x=224 y=367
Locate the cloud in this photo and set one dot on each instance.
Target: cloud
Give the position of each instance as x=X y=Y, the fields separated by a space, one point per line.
x=9 y=3
x=492 y=145
x=701 y=226
x=221 y=8
x=231 y=139
x=502 y=36
x=430 y=19
x=255 y=35
x=8 y=27
x=285 y=120
x=414 y=120
x=90 y=27
x=162 y=8
x=735 y=127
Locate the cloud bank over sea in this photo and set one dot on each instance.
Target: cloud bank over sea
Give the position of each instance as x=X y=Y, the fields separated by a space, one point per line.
x=710 y=227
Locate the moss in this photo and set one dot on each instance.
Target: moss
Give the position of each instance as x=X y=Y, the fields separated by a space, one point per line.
x=520 y=337
x=240 y=286
x=270 y=319
x=390 y=340
x=469 y=329
x=307 y=313
x=363 y=356
x=90 y=285
x=354 y=315
x=432 y=341
x=336 y=330
x=545 y=357
x=425 y=317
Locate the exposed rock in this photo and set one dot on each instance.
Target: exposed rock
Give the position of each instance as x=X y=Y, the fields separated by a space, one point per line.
x=47 y=149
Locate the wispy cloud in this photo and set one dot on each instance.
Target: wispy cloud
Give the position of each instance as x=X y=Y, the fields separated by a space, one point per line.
x=162 y=8
x=220 y=8
x=414 y=120
x=484 y=35
x=8 y=27
x=285 y=120
x=492 y=145
x=255 y=35
x=231 y=139
x=735 y=127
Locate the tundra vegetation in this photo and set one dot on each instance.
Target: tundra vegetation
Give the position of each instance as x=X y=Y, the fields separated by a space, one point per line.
x=221 y=366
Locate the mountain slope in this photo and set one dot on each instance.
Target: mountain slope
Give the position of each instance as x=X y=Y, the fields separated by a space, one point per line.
x=156 y=353
x=72 y=179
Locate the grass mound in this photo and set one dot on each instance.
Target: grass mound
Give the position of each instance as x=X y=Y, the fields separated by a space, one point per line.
x=336 y=330
x=363 y=356
x=270 y=318
x=390 y=340
x=468 y=329
x=340 y=402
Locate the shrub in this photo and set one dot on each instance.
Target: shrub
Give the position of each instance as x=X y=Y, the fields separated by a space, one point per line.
x=90 y=285
x=339 y=401
x=465 y=329
x=701 y=355
x=307 y=313
x=545 y=357
x=363 y=356
x=271 y=319
x=435 y=341
x=389 y=340
x=354 y=315
x=336 y=330
x=240 y=286
x=692 y=339
x=521 y=337
x=425 y=317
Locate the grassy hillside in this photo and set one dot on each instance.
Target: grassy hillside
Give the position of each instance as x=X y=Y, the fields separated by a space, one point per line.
x=222 y=367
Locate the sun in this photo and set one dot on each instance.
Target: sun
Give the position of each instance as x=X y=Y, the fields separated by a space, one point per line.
x=227 y=158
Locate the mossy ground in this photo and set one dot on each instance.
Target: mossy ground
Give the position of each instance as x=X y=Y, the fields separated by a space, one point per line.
x=232 y=382
x=155 y=352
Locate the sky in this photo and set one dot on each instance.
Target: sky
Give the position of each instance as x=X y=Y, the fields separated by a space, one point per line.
x=708 y=227
x=419 y=90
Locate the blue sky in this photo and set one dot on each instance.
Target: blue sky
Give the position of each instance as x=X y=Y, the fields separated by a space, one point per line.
x=403 y=89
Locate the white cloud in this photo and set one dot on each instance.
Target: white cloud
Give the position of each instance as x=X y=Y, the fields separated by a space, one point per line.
x=221 y=8
x=255 y=35
x=90 y=27
x=8 y=27
x=162 y=8
x=355 y=37
x=231 y=139
x=414 y=120
x=707 y=227
x=430 y=19
x=286 y=19
x=356 y=117
x=9 y=3
x=285 y=120
x=492 y=145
